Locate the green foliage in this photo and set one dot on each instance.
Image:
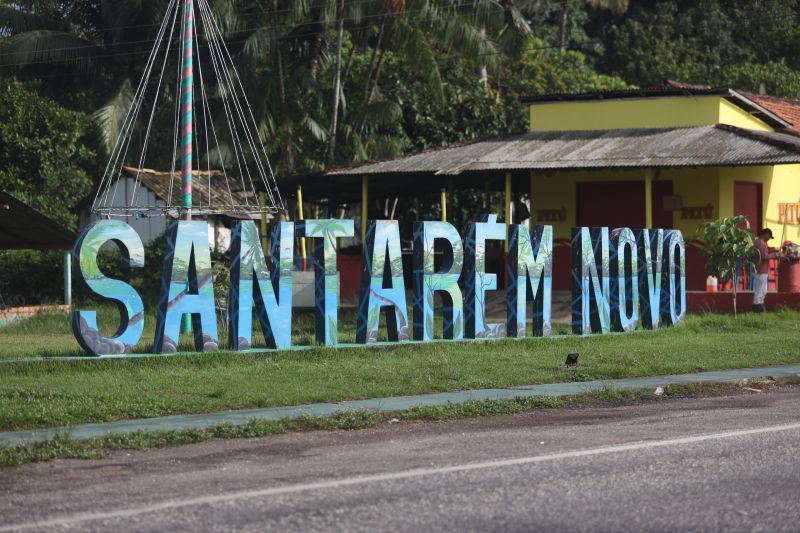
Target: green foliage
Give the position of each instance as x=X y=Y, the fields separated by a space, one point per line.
x=540 y=72
x=739 y=43
x=415 y=75
x=729 y=245
x=773 y=78
x=38 y=276
x=727 y=241
x=467 y=115
x=42 y=159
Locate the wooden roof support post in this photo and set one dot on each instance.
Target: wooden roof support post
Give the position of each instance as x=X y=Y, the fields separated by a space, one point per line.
x=364 y=207
x=648 y=197
x=262 y=201
x=531 y=222
x=508 y=205
x=450 y=195
x=301 y=215
x=444 y=204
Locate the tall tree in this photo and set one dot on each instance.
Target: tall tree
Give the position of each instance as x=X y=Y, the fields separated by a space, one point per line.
x=617 y=7
x=69 y=45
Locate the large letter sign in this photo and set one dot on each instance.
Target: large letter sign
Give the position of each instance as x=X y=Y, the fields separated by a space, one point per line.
x=131 y=308
x=672 y=311
x=383 y=265
x=530 y=275
x=428 y=282
x=270 y=291
x=591 y=288
x=477 y=281
x=326 y=276
x=624 y=266
x=622 y=279
x=650 y=244
x=187 y=287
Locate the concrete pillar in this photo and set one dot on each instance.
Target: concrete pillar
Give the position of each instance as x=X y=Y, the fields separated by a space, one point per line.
x=68 y=277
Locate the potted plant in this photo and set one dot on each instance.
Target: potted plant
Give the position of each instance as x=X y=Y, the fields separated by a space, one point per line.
x=729 y=245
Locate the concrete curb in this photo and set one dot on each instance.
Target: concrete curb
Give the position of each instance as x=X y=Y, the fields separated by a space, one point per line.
x=788 y=374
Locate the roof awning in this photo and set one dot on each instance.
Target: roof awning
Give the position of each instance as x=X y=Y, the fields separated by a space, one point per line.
x=700 y=146
x=24 y=228
x=483 y=162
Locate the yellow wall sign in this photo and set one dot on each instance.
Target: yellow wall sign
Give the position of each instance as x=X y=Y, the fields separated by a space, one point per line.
x=788 y=213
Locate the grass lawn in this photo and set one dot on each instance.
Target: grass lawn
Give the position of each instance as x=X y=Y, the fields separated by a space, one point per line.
x=55 y=393
x=65 y=447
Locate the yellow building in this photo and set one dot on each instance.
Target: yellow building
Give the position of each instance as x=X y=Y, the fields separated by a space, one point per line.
x=671 y=157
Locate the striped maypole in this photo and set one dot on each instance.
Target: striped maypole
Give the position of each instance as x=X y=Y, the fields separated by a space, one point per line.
x=187 y=95
x=187 y=111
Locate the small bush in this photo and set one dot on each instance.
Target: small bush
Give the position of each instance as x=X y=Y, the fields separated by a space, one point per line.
x=38 y=276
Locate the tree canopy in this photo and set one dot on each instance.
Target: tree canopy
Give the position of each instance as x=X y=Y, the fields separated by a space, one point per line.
x=44 y=160
x=333 y=82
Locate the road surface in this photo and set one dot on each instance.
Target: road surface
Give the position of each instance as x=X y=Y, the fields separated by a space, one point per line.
x=713 y=464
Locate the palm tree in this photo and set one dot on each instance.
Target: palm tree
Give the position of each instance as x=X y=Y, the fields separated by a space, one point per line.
x=83 y=52
x=274 y=51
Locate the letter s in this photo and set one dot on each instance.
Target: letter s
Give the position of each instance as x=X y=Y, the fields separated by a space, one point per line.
x=131 y=308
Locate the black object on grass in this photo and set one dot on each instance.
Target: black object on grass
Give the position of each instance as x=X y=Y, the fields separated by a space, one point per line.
x=572 y=359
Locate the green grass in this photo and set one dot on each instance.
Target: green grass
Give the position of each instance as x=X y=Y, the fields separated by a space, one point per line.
x=65 y=447
x=57 y=393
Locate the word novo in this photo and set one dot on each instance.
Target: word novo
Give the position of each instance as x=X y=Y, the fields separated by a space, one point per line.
x=620 y=278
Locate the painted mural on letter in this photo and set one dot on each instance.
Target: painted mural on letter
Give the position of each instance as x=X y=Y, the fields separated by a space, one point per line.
x=382 y=265
x=477 y=281
x=131 y=307
x=255 y=287
x=624 y=267
x=591 y=286
x=530 y=275
x=326 y=233
x=186 y=288
x=428 y=281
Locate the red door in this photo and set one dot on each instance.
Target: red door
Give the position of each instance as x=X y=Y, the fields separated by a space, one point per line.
x=621 y=204
x=612 y=204
x=747 y=202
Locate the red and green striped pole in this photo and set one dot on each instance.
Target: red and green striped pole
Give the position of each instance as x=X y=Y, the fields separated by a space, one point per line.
x=187 y=111
x=187 y=95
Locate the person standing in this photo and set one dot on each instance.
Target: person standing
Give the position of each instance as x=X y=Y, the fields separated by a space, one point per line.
x=762 y=258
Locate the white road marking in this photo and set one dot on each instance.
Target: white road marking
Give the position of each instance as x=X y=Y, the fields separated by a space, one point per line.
x=79 y=518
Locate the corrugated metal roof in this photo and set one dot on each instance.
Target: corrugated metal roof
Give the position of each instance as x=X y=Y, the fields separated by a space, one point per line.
x=223 y=190
x=701 y=146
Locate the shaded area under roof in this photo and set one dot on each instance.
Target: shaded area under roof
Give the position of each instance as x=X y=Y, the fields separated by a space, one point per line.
x=485 y=161
x=24 y=228
x=699 y=146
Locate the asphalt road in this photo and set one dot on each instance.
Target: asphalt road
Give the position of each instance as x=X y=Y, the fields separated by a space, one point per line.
x=716 y=464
